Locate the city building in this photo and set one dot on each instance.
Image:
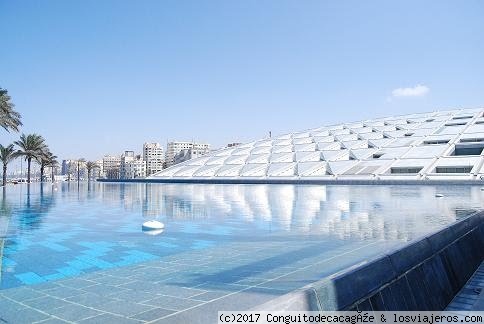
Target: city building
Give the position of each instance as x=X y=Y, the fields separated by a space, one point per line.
x=98 y=172
x=173 y=148
x=111 y=165
x=66 y=166
x=233 y=144
x=192 y=153
x=69 y=169
x=132 y=166
x=443 y=145
x=154 y=156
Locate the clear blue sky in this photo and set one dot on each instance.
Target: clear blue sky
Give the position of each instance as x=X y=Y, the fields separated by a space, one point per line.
x=96 y=77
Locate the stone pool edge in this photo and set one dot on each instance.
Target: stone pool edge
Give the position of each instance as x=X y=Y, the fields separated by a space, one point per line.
x=424 y=275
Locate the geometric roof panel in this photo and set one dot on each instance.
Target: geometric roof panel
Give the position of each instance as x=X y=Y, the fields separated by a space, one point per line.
x=417 y=144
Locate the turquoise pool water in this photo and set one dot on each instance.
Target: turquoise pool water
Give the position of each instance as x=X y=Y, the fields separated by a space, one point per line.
x=49 y=232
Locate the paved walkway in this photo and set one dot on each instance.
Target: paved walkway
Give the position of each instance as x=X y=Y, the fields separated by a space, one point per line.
x=192 y=287
x=185 y=288
x=471 y=296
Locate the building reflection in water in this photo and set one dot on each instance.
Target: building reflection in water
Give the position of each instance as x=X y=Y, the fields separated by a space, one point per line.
x=360 y=212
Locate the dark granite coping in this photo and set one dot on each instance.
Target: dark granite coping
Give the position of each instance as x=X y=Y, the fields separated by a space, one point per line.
x=354 y=285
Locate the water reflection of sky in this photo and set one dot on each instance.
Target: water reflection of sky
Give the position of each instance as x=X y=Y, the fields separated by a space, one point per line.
x=51 y=232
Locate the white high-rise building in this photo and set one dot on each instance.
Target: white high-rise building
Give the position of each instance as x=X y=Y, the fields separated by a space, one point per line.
x=132 y=166
x=154 y=156
x=173 y=148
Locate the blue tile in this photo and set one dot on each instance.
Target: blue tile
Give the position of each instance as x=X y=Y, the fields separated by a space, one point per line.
x=201 y=244
x=96 y=262
x=55 y=276
x=122 y=263
x=166 y=244
x=8 y=262
x=68 y=271
x=54 y=246
x=94 y=253
x=78 y=264
x=30 y=278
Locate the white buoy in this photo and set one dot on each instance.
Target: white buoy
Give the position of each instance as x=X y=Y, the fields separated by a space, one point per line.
x=152 y=225
x=439 y=195
x=153 y=232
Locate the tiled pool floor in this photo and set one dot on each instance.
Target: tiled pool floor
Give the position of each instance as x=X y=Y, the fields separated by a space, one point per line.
x=98 y=226
x=186 y=288
x=78 y=253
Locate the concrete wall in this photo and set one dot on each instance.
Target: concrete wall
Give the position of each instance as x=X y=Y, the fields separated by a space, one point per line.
x=424 y=275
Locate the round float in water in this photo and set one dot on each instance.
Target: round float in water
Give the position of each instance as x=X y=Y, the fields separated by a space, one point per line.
x=153 y=232
x=152 y=225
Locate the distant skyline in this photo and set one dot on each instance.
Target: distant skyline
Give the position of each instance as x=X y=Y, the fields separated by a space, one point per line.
x=101 y=77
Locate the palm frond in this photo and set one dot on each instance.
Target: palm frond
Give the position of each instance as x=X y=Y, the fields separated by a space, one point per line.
x=9 y=118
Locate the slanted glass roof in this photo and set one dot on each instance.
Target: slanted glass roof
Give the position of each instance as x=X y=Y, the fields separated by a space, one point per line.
x=396 y=148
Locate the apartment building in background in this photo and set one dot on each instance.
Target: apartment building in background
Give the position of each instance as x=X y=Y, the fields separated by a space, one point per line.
x=173 y=148
x=67 y=166
x=98 y=171
x=185 y=155
x=132 y=166
x=111 y=166
x=154 y=157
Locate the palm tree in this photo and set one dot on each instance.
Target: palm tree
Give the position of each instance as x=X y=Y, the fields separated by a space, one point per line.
x=45 y=159
x=9 y=118
x=42 y=161
x=31 y=147
x=89 y=166
x=52 y=164
x=7 y=154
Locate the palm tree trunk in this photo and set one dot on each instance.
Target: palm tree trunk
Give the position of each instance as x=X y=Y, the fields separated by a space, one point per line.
x=42 y=172
x=4 y=174
x=52 y=174
x=29 y=160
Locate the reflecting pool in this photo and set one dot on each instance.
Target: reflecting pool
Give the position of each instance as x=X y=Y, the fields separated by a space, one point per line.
x=50 y=232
